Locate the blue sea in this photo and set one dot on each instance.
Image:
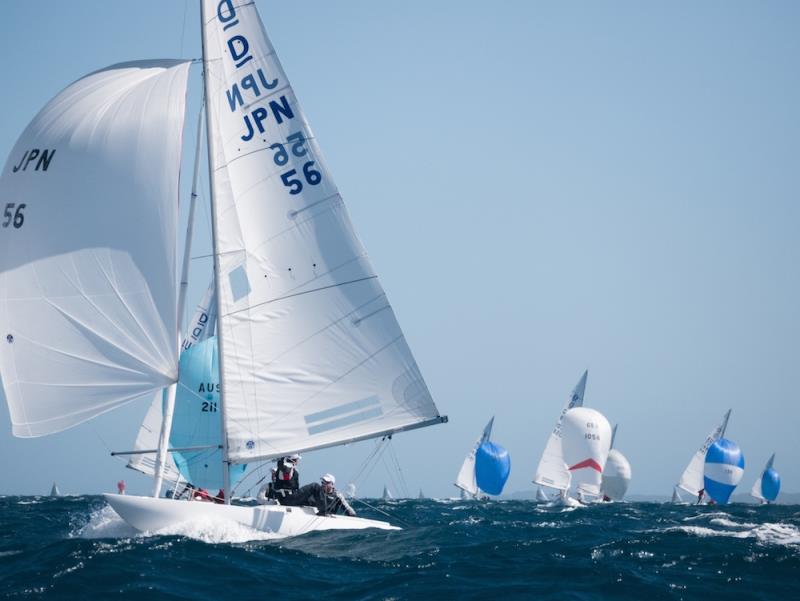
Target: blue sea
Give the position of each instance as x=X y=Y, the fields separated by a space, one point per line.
x=76 y=547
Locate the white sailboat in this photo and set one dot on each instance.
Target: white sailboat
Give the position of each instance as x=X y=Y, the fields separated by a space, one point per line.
x=465 y=480
x=586 y=440
x=552 y=471
x=311 y=355
x=541 y=496
x=387 y=494
x=676 y=497
x=54 y=492
x=691 y=480
x=616 y=474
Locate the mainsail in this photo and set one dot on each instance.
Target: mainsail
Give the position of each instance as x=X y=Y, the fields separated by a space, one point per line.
x=88 y=259
x=692 y=478
x=552 y=470
x=311 y=352
x=147 y=440
x=466 y=475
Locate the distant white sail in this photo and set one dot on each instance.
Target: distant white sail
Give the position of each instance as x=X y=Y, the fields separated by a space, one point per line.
x=88 y=256
x=692 y=478
x=421 y=494
x=311 y=353
x=541 y=496
x=552 y=470
x=54 y=492
x=387 y=495
x=586 y=439
x=616 y=476
x=676 y=498
x=466 y=475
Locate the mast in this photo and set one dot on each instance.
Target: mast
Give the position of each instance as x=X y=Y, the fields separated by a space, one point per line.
x=226 y=477
x=169 y=410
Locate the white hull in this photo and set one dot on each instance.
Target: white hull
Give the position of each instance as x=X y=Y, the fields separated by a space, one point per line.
x=149 y=514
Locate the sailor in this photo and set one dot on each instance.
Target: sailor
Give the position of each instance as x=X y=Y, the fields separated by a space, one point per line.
x=700 y=494
x=121 y=487
x=322 y=495
x=286 y=478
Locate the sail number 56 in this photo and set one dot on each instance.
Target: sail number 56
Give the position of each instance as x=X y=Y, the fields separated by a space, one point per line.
x=290 y=178
x=12 y=217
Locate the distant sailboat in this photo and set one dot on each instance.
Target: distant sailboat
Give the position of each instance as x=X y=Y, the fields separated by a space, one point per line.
x=723 y=470
x=768 y=485
x=552 y=470
x=585 y=440
x=676 y=497
x=616 y=474
x=421 y=495
x=387 y=494
x=54 y=492
x=541 y=496
x=692 y=478
x=486 y=466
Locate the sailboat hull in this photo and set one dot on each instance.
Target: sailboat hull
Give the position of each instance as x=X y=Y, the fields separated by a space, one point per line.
x=148 y=514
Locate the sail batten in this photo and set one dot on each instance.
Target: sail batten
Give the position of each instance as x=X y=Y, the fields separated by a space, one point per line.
x=305 y=328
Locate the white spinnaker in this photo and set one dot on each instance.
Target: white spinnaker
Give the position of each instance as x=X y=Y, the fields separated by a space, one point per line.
x=87 y=282
x=586 y=440
x=312 y=354
x=552 y=469
x=616 y=476
x=466 y=475
x=692 y=478
x=147 y=439
x=756 y=490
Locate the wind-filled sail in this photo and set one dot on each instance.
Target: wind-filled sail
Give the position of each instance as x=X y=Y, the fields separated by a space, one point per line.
x=466 y=475
x=552 y=470
x=492 y=467
x=616 y=476
x=197 y=420
x=312 y=354
x=768 y=484
x=586 y=439
x=724 y=467
x=87 y=247
x=692 y=478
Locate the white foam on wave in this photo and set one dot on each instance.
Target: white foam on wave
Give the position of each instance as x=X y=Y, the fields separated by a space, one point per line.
x=105 y=523
x=217 y=531
x=705 y=516
x=767 y=533
x=726 y=523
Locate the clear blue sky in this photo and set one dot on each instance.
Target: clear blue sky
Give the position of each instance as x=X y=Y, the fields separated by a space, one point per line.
x=542 y=187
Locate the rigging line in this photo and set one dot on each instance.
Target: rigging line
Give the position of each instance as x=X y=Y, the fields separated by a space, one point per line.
x=399 y=470
x=389 y=515
x=392 y=482
x=183 y=28
x=365 y=463
x=375 y=463
x=320 y=289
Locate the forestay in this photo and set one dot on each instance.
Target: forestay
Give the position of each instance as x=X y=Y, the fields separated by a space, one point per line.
x=552 y=470
x=692 y=478
x=466 y=475
x=88 y=245
x=312 y=354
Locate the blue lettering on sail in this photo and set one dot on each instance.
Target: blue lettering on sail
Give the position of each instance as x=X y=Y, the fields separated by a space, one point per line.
x=44 y=156
x=255 y=120
x=249 y=82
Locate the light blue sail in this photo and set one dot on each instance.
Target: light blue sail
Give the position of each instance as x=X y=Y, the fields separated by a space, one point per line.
x=197 y=420
x=724 y=468
x=492 y=467
x=770 y=484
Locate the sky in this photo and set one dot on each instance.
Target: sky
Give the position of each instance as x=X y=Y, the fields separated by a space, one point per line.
x=543 y=188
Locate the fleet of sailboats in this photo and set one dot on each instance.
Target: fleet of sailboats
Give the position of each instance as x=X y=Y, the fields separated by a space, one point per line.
x=294 y=347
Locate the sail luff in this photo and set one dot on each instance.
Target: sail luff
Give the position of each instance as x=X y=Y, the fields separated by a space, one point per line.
x=210 y=140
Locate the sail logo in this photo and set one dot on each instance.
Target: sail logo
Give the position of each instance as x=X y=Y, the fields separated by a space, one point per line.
x=44 y=156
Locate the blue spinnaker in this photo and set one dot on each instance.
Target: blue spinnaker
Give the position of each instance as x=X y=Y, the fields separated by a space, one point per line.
x=770 y=485
x=492 y=466
x=197 y=420
x=723 y=470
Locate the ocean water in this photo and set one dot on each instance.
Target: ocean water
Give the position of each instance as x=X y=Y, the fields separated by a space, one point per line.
x=76 y=547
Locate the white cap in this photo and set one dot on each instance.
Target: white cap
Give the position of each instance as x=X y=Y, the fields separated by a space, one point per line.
x=328 y=479
x=295 y=457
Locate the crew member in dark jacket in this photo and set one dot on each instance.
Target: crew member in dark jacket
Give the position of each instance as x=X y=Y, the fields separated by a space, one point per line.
x=286 y=478
x=322 y=495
